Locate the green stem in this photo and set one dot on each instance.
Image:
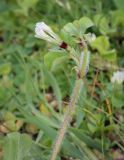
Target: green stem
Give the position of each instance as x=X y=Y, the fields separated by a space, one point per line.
x=67 y=118
x=84 y=62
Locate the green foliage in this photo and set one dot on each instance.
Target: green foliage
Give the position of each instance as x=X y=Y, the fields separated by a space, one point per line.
x=28 y=72
x=16 y=146
x=78 y=28
x=55 y=60
x=119 y=4
x=102 y=45
x=5 y=68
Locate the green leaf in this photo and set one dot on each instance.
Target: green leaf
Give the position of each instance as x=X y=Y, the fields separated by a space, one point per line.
x=53 y=83
x=26 y=5
x=89 y=154
x=40 y=121
x=101 y=44
x=117 y=19
x=110 y=55
x=92 y=128
x=71 y=29
x=5 y=68
x=59 y=63
x=5 y=94
x=79 y=116
x=119 y=4
x=69 y=149
x=36 y=153
x=63 y=84
x=118 y=102
x=51 y=57
x=16 y=146
x=103 y=24
x=117 y=97
x=85 y=138
x=78 y=27
x=85 y=23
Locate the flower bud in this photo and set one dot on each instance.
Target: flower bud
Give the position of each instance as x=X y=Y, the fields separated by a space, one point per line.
x=44 y=32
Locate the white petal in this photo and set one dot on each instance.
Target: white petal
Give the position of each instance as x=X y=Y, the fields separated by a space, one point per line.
x=43 y=31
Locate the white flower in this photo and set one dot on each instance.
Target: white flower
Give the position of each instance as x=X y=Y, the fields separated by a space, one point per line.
x=44 y=32
x=118 y=77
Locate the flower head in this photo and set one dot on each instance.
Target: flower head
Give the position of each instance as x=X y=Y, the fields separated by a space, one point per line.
x=44 y=32
x=118 y=77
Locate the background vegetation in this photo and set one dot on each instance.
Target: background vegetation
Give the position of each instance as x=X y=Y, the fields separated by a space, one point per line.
x=35 y=85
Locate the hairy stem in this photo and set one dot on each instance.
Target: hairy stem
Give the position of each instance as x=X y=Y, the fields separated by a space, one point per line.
x=67 y=118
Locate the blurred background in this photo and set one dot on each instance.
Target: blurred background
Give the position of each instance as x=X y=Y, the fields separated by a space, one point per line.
x=35 y=86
